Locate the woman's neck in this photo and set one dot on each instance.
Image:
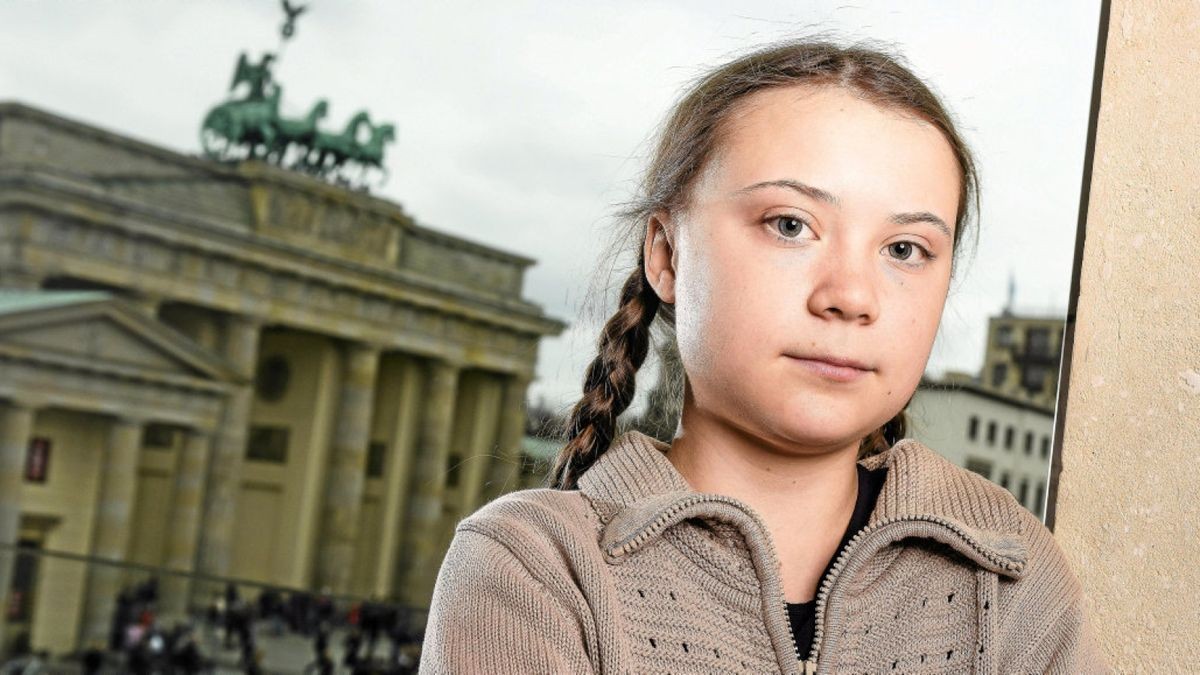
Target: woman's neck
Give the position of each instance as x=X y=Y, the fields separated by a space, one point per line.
x=804 y=495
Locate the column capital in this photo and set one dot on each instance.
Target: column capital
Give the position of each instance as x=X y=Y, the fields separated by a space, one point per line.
x=522 y=377
x=197 y=434
x=23 y=404
x=363 y=347
x=145 y=301
x=129 y=419
x=447 y=362
x=245 y=320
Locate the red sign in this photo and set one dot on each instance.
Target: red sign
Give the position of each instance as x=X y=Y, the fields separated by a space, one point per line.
x=37 y=460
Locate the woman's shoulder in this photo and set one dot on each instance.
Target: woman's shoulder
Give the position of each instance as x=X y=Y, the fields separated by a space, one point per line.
x=1052 y=622
x=931 y=483
x=1045 y=601
x=511 y=594
x=547 y=516
x=922 y=479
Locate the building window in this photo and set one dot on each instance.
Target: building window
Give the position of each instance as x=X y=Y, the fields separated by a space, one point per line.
x=973 y=428
x=999 y=374
x=1004 y=336
x=1033 y=378
x=24 y=582
x=980 y=466
x=376 y=454
x=1023 y=491
x=1038 y=341
x=271 y=380
x=1008 y=438
x=1037 y=495
x=991 y=436
x=1045 y=447
x=1028 y=442
x=267 y=444
x=452 y=470
x=158 y=437
x=1004 y=480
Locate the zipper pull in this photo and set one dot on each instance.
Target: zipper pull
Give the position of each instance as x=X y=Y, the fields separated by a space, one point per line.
x=810 y=667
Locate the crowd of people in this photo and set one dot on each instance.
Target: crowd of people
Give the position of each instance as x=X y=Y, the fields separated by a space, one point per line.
x=141 y=642
x=376 y=638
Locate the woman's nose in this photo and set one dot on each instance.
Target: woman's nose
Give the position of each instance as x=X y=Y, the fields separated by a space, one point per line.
x=844 y=287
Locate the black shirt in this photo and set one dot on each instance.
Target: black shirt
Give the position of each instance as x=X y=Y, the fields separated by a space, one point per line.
x=801 y=614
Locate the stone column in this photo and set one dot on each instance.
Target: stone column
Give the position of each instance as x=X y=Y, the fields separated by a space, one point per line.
x=229 y=448
x=111 y=525
x=506 y=469
x=392 y=537
x=420 y=558
x=347 y=468
x=481 y=449
x=182 y=540
x=16 y=425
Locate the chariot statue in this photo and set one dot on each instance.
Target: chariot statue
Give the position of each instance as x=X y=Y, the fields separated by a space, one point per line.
x=250 y=127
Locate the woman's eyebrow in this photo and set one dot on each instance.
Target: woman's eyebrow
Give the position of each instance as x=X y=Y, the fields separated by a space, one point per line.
x=830 y=198
x=922 y=217
x=806 y=190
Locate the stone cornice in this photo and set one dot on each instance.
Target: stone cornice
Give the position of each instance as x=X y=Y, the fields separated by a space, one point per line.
x=108 y=388
x=327 y=220
x=260 y=173
x=17 y=110
x=170 y=164
x=68 y=199
x=106 y=250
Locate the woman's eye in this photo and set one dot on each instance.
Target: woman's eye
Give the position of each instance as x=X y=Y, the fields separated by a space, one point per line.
x=903 y=251
x=788 y=226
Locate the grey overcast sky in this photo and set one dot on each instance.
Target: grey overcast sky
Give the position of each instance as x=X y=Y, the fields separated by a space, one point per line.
x=520 y=124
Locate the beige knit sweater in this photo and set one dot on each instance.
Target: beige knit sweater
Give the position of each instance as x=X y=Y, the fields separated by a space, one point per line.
x=636 y=572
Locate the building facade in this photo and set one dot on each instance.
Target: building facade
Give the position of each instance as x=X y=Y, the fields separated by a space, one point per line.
x=1004 y=439
x=1022 y=356
x=242 y=372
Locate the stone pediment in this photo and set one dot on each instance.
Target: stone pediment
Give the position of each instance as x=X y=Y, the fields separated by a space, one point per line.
x=99 y=330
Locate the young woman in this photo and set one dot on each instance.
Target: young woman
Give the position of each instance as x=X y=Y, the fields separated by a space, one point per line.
x=797 y=230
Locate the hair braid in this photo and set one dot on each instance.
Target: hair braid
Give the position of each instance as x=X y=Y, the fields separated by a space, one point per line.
x=609 y=384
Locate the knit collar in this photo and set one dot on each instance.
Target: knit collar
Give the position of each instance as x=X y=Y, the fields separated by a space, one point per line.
x=637 y=490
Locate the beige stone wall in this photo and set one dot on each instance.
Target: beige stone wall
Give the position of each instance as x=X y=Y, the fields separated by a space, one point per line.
x=1127 y=509
x=68 y=496
x=283 y=499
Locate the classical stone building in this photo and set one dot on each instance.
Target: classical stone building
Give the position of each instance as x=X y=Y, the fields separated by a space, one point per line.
x=240 y=371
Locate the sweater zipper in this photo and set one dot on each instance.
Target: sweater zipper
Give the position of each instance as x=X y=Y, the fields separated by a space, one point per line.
x=807 y=666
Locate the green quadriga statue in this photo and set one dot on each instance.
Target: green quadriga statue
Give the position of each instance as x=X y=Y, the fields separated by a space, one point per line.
x=251 y=128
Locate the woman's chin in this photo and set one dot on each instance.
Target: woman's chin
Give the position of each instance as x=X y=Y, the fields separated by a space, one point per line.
x=831 y=433
x=831 y=426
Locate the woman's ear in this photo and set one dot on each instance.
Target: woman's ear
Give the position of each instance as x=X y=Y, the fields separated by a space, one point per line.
x=659 y=253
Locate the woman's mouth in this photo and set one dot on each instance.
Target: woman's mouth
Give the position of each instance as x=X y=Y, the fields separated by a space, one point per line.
x=831 y=371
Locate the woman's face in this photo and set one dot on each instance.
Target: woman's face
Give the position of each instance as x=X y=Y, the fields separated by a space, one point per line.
x=822 y=227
